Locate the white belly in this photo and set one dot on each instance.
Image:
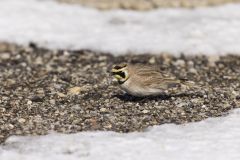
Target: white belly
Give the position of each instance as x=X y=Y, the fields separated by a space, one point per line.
x=138 y=91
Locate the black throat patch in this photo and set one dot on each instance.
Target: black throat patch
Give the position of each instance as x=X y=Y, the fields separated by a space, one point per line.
x=121 y=74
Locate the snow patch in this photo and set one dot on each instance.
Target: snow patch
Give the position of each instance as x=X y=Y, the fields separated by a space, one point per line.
x=205 y=30
x=214 y=138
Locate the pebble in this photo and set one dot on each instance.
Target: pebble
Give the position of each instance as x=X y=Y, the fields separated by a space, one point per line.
x=2 y=110
x=152 y=60
x=29 y=102
x=109 y=126
x=76 y=107
x=52 y=101
x=238 y=97
x=74 y=90
x=190 y=64
x=100 y=105
x=5 y=56
x=159 y=107
x=145 y=111
x=21 y=120
x=37 y=98
x=103 y=110
x=193 y=70
x=61 y=95
x=10 y=126
x=213 y=59
x=180 y=63
x=182 y=104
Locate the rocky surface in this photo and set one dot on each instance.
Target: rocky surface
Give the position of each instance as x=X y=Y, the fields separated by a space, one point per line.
x=71 y=91
x=146 y=4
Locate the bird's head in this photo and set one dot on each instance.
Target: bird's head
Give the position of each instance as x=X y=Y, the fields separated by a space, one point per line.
x=120 y=72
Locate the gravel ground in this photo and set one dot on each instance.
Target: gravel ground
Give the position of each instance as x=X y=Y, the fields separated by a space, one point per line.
x=71 y=91
x=147 y=4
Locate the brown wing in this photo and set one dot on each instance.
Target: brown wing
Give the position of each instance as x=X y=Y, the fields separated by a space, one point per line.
x=161 y=81
x=156 y=79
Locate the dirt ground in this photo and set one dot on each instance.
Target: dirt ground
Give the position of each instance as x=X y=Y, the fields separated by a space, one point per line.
x=70 y=91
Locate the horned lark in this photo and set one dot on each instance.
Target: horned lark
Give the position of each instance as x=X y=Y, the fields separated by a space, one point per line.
x=141 y=80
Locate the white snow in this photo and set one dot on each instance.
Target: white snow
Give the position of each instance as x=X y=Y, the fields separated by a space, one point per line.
x=205 y=30
x=216 y=138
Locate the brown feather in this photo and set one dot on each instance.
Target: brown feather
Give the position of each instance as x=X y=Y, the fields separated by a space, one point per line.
x=151 y=76
x=144 y=80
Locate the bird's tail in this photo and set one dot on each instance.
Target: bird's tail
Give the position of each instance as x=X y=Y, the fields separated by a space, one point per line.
x=192 y=87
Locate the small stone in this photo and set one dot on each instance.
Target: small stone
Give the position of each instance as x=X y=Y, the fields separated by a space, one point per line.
x=74 y=90
x=158 y=107
x=40 y=91
x=66 y=53
x=212 y=60
x=102 y=64
x=235 y=93
x=238 y=97
x=2 y=110
x=39 y=60
x=152 y=60
x=61 y=95
x=76 y=107
x=52 y=101
x=4 y=56
x=182 y=104
x=107 y=101
x=11 y=82
x=180 y=63
x=221 y=66
x=10 y=126
x=173 y=98
x=36 y=98
x=21 y=120
x=102 y=58
x=193 y=70
x=109 y=126
x=190 y=63
x=4 y=47
x=29 y=102
x=103 y=110
x=37 y=119
x=4 y=98
x=195 y=100
x=145 y=111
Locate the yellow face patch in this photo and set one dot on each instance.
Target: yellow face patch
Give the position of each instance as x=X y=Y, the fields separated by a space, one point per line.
x=118 y=77
x=120 y=73
x=117 y=70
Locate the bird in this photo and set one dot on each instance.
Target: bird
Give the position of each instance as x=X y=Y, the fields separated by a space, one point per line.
x=141 y=80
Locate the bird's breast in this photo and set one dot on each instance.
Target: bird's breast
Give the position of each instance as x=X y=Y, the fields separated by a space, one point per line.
x=135 y=89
